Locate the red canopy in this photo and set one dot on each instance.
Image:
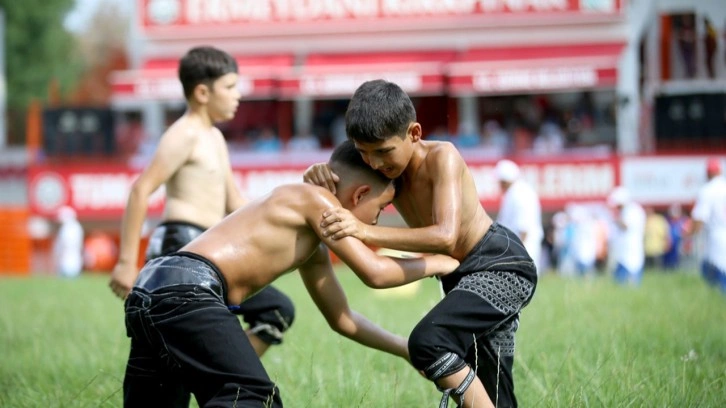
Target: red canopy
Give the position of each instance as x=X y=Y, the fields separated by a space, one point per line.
x=157 y=79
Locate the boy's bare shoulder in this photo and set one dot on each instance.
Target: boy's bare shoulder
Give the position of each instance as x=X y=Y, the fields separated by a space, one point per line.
x=183 y=130
x=441 y=151
x=307 y=196
x=441 y=147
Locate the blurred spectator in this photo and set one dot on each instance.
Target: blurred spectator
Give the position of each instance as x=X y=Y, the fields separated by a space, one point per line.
x=549 y=140
x=129 y=134
x=710 y=40
x=304 y=141
x=573 y=128
x=583 y=243
x=708 y=214
x=520 y=209
x=337 y=130
x=495 y=138
x=563 y=230
x=685 y=34
x=677 y=225
x=601 y=241
x=628 y=252
x=267 y=141
x=68 y=244
x=657 y=237
x=440 y=133
x=467 y=136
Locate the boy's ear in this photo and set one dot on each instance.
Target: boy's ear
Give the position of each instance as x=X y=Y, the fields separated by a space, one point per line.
x=415 y=132
x=360 y=192
x=201 y=93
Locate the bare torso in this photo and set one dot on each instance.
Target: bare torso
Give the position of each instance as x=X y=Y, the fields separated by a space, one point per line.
x=261 y=241
x=415 y=201
x=196 y=192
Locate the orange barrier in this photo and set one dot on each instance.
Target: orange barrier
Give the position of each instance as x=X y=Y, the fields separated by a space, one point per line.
x=15 y=243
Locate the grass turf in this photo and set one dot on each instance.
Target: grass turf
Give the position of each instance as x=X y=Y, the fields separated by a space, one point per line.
x=580 y=343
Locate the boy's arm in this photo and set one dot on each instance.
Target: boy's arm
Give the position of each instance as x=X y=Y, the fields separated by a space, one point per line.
x=440 y=237
x=173 y=150
x=325 y=290
x=374 y=270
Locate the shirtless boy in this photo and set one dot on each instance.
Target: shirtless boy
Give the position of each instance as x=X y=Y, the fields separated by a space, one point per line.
x=192 y=162
x=465 y=344
x=183 y=337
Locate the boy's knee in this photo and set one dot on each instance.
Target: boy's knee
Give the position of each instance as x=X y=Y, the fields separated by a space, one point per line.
x=428 y=355
x=270 y=326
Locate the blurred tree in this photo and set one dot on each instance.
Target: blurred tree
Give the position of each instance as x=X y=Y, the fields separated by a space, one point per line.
x=102 y=46
x=38 y=50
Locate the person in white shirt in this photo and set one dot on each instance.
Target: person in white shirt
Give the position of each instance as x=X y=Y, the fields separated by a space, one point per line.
x=583 y=245
x=68 y=244
x=629 y=234
x=520 y=209
x=709 y=215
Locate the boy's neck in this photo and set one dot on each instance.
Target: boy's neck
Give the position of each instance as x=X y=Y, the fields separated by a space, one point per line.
x=417 y=158
x=199 y=113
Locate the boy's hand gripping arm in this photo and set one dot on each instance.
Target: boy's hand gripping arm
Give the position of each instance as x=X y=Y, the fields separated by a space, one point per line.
x=374 y=270
x=320 y=174
x=440 y=237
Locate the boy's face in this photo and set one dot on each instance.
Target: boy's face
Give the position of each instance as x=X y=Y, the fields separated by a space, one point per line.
x=223 y=98
x=367 y=204
x=390 y=156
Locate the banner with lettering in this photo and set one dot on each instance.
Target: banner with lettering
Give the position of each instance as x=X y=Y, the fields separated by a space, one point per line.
x=101 y=192
x=163 y=16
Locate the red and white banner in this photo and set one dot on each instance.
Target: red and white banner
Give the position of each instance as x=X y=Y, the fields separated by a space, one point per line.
x=101 y=192
x=158 y=79
x=557 y=183
x=417 y=73
x=664 y=180
x=535 y=69
x=345 y=84
x=534 y=79
x=139 y=85
x=166 y=16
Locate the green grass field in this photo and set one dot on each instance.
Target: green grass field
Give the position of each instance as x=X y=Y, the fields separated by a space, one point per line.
x=580 y=344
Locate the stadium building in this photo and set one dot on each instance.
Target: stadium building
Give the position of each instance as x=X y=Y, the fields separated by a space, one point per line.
x=583 y=94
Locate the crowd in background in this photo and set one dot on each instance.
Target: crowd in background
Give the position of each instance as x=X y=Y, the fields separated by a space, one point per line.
x=579 y=238
x=537 y=124
x=583 y=239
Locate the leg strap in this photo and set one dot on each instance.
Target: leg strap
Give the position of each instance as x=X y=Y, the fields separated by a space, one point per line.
x=456 y=392
x=448 y=364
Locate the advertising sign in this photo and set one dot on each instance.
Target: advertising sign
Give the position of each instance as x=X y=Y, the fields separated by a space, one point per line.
x=101 y=192
x=163 y=16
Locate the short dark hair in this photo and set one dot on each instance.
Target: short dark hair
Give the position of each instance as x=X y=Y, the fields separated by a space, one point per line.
x=204 y=65
x=346 y=157
x=378 y=111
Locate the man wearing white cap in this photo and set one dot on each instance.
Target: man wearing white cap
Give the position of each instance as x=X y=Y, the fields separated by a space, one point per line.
x=520 y=210
x=709 y=214
x=629 y=234
x=68 y=244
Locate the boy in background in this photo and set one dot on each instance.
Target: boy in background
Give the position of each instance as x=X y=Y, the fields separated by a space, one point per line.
x=192 y=162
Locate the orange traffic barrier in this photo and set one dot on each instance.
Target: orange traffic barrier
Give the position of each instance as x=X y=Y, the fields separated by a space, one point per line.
x=15 y=242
